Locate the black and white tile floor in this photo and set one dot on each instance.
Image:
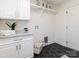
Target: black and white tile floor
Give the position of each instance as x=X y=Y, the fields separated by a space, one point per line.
x=56 y=51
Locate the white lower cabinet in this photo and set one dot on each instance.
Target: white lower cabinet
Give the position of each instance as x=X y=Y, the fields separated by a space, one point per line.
x=8 y=51
x=26 y=48
x=19 y=48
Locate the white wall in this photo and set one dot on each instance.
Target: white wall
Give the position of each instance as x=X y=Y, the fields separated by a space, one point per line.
x=46 y=23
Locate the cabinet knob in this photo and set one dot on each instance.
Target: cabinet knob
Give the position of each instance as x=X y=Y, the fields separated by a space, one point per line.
x=67 y=42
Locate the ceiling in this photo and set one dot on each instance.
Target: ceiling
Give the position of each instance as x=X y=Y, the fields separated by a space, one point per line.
x=55 y=2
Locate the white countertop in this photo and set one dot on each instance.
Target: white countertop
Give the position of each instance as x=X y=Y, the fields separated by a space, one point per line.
x=16 y=35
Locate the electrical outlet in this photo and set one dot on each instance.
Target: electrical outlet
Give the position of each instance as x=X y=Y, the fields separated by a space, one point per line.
x=36 y=27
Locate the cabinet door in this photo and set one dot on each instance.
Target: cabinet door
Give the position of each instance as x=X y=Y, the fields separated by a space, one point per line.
x=61 y=28
x=23 y=9
x=73 y=30
x=7 y=9
x=26 y=48
x=9 y=51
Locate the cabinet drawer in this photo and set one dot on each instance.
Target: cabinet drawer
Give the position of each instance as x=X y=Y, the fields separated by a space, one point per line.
x=23 y=38
x=6 y=41
x=8 y=45
x=14 y=39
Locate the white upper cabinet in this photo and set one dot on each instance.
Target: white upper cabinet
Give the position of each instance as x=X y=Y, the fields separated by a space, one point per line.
x=23 y=9
x=15 y=9
x=7 y=9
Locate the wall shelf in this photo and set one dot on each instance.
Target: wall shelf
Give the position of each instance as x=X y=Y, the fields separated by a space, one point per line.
x=42 y=8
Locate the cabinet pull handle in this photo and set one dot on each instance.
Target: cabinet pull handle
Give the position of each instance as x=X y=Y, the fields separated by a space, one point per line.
x=19 y=46
x=16 y=47
x=66 y=27
x=17 y=39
